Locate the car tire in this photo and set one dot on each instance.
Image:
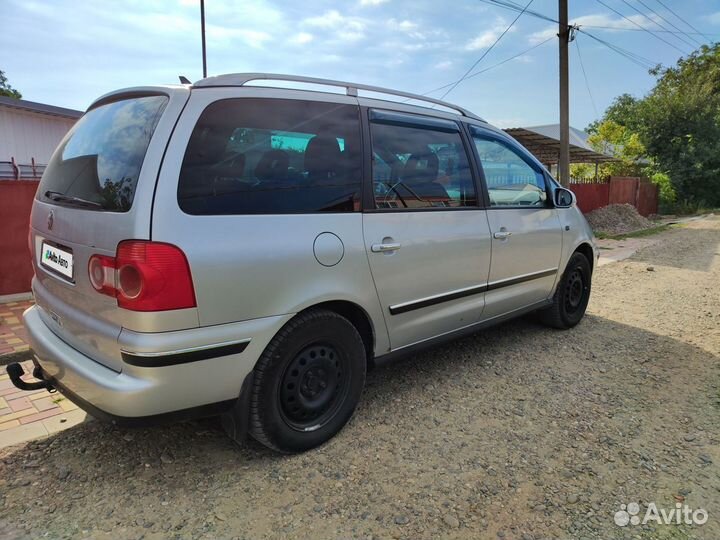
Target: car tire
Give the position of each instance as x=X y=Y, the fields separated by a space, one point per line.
x=571 y=296
x=307 y=382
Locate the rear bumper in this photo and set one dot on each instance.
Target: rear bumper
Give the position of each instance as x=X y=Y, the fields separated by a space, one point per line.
x=153 y=390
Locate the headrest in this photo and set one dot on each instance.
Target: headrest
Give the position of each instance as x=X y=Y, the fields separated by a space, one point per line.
x=421 y=168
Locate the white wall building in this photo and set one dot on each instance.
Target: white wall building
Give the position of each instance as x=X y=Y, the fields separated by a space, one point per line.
x=31 y=131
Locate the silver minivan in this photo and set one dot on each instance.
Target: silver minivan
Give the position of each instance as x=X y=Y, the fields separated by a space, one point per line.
x=241 y=248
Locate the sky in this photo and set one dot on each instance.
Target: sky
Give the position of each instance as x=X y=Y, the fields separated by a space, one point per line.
x=67 y=53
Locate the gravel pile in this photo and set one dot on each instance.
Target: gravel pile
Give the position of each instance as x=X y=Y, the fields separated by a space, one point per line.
x=617 y=219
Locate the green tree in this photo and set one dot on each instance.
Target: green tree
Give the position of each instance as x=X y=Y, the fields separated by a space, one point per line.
x=624 y=110
x=681 y=125
x=6 y=89
x=611 y=138
x=672 y=135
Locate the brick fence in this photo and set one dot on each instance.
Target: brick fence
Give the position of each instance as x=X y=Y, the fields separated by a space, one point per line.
x=16 y=198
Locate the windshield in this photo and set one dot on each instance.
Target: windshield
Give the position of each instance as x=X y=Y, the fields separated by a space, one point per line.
x=98 y=163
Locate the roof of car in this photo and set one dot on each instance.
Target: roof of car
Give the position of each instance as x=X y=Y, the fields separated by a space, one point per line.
x=351 y=89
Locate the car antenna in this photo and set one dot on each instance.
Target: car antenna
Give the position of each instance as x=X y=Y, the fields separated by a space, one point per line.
x=184 y=80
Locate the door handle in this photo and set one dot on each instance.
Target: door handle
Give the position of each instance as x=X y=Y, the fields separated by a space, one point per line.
x=502 y=235
x=384 y=248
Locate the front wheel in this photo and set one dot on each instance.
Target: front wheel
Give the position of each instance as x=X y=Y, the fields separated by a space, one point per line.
x=571 y=296
x=307 y=382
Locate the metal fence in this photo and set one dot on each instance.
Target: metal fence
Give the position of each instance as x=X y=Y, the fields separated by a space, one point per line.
x=639 y=192
x=590 y=180
x=11 y=170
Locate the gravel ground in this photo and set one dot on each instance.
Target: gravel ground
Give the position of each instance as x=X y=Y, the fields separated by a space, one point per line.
x=617 y=219
x=520 y=432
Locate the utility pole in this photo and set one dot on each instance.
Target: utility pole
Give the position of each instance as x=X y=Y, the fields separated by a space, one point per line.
x=564 y=37
x=202 y=32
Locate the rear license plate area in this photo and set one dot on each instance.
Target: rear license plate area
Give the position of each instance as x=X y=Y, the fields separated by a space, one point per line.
x=57 y=259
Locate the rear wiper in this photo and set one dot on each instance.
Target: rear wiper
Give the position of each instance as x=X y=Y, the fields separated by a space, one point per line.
x=61 y=197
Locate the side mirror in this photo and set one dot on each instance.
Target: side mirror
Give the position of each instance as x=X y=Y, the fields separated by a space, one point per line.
x=564 y=198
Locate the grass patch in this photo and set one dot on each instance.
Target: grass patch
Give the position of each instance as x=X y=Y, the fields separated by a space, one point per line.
x=635 y=234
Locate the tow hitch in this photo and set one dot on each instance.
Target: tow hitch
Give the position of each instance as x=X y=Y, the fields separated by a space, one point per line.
x=16 y=371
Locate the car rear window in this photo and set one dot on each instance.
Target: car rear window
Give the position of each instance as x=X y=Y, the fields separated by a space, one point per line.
x=272 y=156
x=98 y=163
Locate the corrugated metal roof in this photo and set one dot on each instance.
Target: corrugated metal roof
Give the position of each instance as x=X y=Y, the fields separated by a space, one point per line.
x=544 y=143
x=41 y=108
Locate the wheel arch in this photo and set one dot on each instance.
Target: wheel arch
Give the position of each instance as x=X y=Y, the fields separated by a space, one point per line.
x=359 y=319
x=587 y=250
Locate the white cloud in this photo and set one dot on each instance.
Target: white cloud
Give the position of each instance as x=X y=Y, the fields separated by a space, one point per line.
x=446 y=64
x=372 y=2
x=403 y=26
x=524 y=59
x=542 y=35
x=485 y=39
x=488 y=37
x=252 y=38
x=714 y=18
x=303 y=38
x=409 y=28
x=344 y=28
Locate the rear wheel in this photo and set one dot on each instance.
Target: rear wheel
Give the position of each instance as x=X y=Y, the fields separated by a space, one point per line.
x=307 y=382
x=571 y=296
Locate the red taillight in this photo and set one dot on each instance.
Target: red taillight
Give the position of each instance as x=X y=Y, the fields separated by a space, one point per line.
x=144 y=276
x=101 y=270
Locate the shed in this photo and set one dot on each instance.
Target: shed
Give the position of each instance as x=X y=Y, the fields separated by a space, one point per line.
x=29 y=134
x=544 y=143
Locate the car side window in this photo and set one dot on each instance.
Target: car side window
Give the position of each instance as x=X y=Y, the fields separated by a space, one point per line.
x=418 y=167
x=272 y=156
x=511 y=181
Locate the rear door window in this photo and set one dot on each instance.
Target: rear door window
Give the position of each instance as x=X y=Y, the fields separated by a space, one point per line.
x=98 y=164
x=272 y=156
x=419 y=163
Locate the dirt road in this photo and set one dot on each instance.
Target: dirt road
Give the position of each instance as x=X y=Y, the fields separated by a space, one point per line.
x=519 y=432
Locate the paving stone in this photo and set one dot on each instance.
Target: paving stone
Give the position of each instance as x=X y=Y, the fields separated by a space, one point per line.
x=64 y=421
x=41 y=415
x=22 y=434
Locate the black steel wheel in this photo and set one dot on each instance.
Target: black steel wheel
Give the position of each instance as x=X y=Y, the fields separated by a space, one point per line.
x=575 y=289
x=314 y=384
x=308 y=382
x=571 y=296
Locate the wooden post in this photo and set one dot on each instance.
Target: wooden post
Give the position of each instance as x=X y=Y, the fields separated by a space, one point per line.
x=564 y=36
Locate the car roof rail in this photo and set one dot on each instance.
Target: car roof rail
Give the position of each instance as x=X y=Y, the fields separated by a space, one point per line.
x=351 y=89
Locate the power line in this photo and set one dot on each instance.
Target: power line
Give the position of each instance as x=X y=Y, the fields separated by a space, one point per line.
x=641 y=30
x=637 y=59
x=640 y=26
x=683 y=20
x=653 y=21
x=587 y=84
x=641 y=61
x=486 y=52
x=512 y=6
x=669 y=22
x=490 y=67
